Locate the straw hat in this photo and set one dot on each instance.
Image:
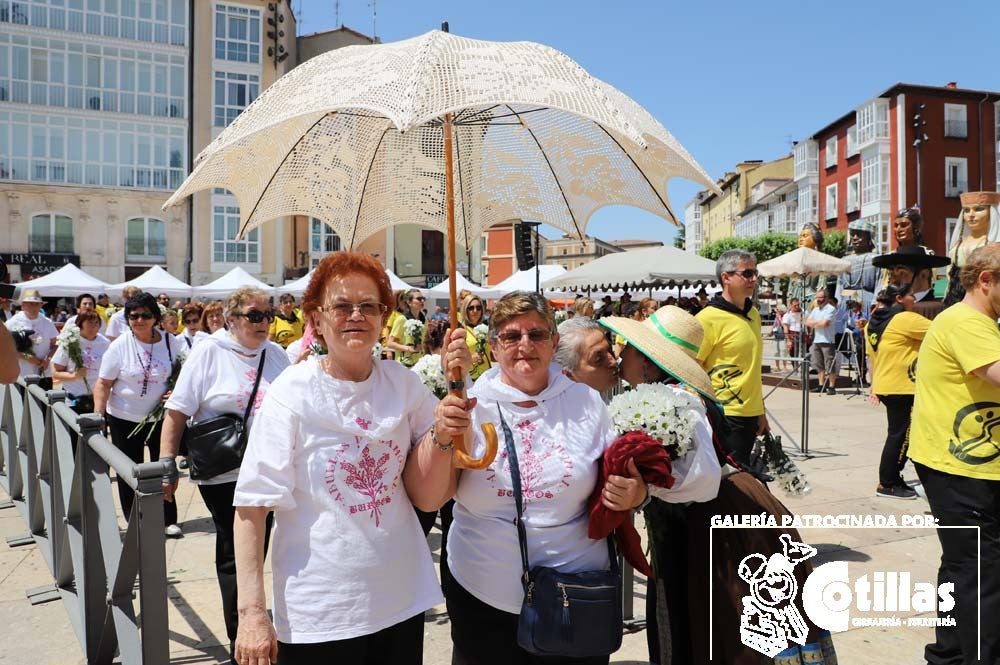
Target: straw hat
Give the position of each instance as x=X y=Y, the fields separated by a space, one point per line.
x=31 y=295
x=671 y=338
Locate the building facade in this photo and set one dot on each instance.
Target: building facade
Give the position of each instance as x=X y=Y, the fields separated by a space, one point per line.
x=693 y=234
x=633 y=245
x=721 y=212
x=910 y=145
x=772 y=209
x=571 y=252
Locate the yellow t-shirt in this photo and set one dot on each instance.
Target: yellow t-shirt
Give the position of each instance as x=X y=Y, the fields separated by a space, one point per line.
x=285 y=332
x=484 y=364
x=389 y=321
x=407 y=358
x=731 y=352
x=102 y=311
x=955 y=412
x=895 y=362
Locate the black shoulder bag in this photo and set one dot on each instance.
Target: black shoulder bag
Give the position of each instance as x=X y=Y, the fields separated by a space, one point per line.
x=216 y=445
x=564 y=614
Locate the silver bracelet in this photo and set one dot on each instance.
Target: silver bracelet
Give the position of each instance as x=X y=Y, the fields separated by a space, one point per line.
x=445 y=448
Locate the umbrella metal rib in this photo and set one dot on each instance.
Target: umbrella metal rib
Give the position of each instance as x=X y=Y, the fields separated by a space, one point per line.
x=641 y=172
x=361 y=198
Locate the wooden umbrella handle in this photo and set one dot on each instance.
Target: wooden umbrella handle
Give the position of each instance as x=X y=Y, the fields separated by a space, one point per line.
x=463 y=459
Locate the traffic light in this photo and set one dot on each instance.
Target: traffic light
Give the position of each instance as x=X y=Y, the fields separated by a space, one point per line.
x=523 y=247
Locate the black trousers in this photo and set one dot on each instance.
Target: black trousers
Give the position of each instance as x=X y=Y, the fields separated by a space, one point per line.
x=447 y=517
x=484 y=635
x=961 y=501
x=133 y=446
x=741 y=436
x=219 y=501
x=897 y=440
x=400 y=644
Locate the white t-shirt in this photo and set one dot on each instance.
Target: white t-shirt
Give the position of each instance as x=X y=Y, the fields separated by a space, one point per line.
x=217 y=378
x=293 y=350
x=824 y=335
x=117 y=325
x=559 y=442
x=190 y=341
x=100 y=330
x=92 y=351
x=348 y=555
x=44 y=331
x=793 y=320
x=128 y=362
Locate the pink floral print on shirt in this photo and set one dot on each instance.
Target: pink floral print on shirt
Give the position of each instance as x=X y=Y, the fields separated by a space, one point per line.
x=545 y=471
x=372 y=476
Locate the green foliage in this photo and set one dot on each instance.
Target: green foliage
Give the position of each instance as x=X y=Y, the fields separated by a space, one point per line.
x=764 y=247
x=680 y=237
x=835 y=243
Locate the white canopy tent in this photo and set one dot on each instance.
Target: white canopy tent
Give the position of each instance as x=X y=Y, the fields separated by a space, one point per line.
x=298 y=287
x=66 y=281
x=156 y=280
x=234 y=279
x=803 y=262
x=524 y=280
x=643 y=268
x=441 y=290
x=396 y=283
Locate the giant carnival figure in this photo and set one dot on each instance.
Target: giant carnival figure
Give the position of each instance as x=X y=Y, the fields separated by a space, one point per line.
x=865 y=277
x=978 y=225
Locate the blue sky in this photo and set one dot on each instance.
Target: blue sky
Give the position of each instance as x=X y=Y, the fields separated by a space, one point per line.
x=731 y=80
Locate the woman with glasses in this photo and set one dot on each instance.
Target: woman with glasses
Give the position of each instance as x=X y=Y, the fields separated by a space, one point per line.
x=79 y=381
x=218 y=378
x=406 y=346
x=287 y=325
x=191 y=316
x=213 y=318
x=560 y=430
x=132 y=381
x=470 y=313
x=342 y=449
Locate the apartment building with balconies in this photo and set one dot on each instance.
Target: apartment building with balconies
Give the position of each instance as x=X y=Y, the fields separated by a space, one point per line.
x=773 y=207
x=720 y=213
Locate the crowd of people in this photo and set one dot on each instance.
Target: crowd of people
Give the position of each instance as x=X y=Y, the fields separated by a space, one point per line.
x=349 y=457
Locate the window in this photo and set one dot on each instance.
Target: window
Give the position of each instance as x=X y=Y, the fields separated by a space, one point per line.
x=831 y=152
x=875 y=177
x=806 y=158
x=237 y=33
x=955 y=124
x=145 y=239
x=956 y=176
x=51 y=233
x=323 y=239
x=808 y=202
x=233 y=93
x=882 y=225
x=853 y=193
x=873 y=122
x=949 y=230
x=159 y=21
x=830 y=209
x=225 y=247
x=852 y=141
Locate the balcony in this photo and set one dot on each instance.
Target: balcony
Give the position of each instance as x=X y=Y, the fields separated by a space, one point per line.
x=955 y=187
x=958 y=129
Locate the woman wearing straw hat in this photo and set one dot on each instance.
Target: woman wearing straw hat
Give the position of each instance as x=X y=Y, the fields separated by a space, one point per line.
x=664 y=349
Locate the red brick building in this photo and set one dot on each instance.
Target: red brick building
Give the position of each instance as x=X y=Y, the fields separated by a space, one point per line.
x=865 y=163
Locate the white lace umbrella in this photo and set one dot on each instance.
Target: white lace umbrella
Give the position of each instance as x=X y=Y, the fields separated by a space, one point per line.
x=439 y=127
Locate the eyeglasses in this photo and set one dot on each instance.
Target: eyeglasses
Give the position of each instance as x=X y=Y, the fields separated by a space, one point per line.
x=257 y=316
x=191 y=322
x=145 y=316
x=535 y=336
x=475 y=308
x=344 y=310
x=749 y=273
x=418 y=299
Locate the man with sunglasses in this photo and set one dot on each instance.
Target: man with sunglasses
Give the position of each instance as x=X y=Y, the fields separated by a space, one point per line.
x=732 y=350
x=288 y=324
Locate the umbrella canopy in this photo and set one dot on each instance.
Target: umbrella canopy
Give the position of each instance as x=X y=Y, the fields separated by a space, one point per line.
x=355 y=137
x=803 y=262
x=524 y=280
x=298 y=287
x=655 y=266
x=156 y=280
x=66 y=281
x=441 y=290
x=232 y=280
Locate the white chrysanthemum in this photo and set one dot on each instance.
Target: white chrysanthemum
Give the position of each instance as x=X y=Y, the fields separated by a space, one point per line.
x=428 y=368
x=482 y=332
x=69 y=335
x=664 y=412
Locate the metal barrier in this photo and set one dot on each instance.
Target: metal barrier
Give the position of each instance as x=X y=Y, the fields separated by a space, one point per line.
x=55 y=466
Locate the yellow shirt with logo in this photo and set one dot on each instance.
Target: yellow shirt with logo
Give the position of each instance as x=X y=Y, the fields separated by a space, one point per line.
x=895 y=362
x=731 y=352
x=285 y=332
x=955 y=412
x=484 y=363
x=408 y=358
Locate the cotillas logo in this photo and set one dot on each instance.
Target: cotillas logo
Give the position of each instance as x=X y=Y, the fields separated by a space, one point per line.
x=771 y=622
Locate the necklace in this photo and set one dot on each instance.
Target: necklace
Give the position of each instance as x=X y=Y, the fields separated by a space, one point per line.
x=145 y=368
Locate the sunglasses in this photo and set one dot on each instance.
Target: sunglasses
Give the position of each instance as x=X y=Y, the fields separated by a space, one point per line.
x=749 y=273
x=344 y=310
x=536 y=336
x=475 y=308
x=257 y=316
x=145 y=316
x=191 y=322
x=418 y=299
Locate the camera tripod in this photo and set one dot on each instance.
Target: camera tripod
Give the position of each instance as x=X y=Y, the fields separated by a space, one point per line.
x=846 y=347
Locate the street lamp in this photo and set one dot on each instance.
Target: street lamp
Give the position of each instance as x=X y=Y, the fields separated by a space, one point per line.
x=918 y=139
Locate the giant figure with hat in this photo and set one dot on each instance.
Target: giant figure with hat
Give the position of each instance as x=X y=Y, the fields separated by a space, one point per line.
x=865 y=277
x=978 y=225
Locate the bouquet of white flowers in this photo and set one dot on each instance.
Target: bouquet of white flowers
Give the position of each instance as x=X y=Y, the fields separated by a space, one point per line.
x=482 y=333
x=413 y=329
x=428 y=368
x=560 y=316
x=377 y=351
x=68 y=339
x=666 y=413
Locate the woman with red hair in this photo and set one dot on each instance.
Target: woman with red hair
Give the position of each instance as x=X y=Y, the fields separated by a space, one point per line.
x=342 y=450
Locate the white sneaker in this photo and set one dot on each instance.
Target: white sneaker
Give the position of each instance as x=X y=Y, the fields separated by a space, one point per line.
x=173 y=531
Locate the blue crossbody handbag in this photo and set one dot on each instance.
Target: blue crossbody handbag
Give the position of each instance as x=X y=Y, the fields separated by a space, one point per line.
x=564 y=614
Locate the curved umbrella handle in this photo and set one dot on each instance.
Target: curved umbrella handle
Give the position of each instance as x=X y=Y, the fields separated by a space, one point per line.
x=464 y=461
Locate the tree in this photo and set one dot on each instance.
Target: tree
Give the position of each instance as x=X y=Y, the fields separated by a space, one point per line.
x=835 y=243
x=680 y=238
x=764 y=247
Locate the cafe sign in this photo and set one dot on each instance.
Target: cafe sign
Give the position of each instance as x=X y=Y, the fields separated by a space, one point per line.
x=36 y=264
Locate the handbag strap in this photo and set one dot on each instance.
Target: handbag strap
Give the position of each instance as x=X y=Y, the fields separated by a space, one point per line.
x=256 y=385
x=515 y=479
x=522 y=535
